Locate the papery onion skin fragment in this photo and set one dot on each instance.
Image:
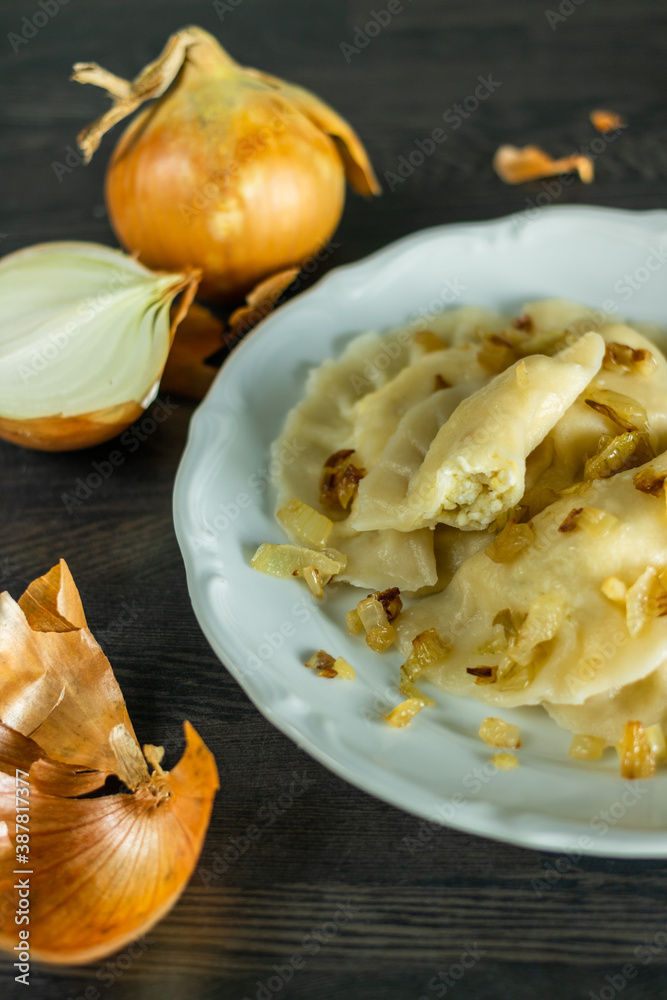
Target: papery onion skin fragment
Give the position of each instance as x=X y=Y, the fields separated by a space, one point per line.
x=510 y=542
x=230 y=170
x=514 y=165
x=199 y=335
x=606 y=121
x=85 y=333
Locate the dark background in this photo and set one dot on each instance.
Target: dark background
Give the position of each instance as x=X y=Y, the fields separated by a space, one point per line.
x=413 y=912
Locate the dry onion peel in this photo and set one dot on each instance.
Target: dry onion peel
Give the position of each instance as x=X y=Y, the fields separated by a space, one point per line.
x=514 y=165
x=102 y=870
x=198 y=336
x=606 y=121
x=259 y=303
x=84 y=339
x=231 y=170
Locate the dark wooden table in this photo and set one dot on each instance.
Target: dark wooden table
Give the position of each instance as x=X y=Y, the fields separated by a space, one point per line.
x=413 y=913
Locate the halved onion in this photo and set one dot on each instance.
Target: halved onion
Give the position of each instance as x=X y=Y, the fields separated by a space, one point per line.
x=85 y=332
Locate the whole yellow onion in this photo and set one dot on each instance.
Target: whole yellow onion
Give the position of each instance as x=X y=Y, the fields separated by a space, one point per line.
x=230 y=170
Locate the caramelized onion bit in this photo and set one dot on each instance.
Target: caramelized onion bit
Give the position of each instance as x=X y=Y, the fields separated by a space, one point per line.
x=622 y=410
x=428 y=341
x=391 y=602
x=637 y=756
x=510 y=543
x=523 y=322
x=514 y=165
x=614 y=589
x=496 y=353
x=628 y=359
x=321 y=660
x=344 y=669
x=313 y=580
x=570 y=522
x=380 y=634
x=483 y=675
x=586 y=747
x=410 y=690
x=428 y=649
x=329 y=667
x=505 y=761
x=626 y=451
x=545 y=342
x=404 y=713
x=656 y=738
x=316 y=567
x=528 y=649
x=498 y=733
x=644 y=600
x=511 y=622
x=594 y=521
x=354 y=622
x=381 y=637
x=309 y=526
x=648 y=481
x=340 y=479
x=597 y=522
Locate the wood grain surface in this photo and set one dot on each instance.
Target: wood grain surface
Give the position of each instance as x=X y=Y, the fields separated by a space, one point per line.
x=330 y=901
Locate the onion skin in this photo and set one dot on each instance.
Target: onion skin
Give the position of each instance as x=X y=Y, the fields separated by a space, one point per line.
x=70 y=433
x=269 y=202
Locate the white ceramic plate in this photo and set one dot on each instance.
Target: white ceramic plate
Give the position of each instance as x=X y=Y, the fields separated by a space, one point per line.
x=263 y=628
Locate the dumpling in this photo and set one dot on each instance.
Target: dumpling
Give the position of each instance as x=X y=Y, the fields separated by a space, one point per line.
x=322 y=424
x=570 y=641
x=605 y=715
x=577 y=435
x=382 y=493
x=474 y=467
x=379 y=413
